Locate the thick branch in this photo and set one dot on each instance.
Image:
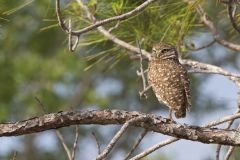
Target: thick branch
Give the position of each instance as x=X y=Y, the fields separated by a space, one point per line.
x=105 y=117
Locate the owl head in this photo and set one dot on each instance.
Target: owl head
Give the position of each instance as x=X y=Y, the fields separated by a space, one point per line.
x=164 y=51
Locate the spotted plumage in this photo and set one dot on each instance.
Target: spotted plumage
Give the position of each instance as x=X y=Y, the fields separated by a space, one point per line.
x=169 y=79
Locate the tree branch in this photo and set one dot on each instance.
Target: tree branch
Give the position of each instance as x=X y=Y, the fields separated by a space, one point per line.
x=97 y=142
x=117 y=136
x=75 y=143
x=141 y=72
x=59 y=134
x=229 y=153
x=67 y=150
x=154 y=148
x=206 y=20
x=193 y=48
x=231 y=148
x=110 y=36
x=202 y=67
x=105 y=117
x=173 y=139
x=231 y=14
x=140 y=138
x=101 y=22
x=208 y=68
x=228 y=127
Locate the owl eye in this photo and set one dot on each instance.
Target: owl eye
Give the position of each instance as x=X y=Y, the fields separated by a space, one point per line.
x=165 y=50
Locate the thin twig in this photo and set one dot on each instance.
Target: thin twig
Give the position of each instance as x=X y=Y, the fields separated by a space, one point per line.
x=75 y=142
x=206 y=20
x=202 y=47
x=74 y=46
x=67 y=150
x=114 y=27
x=111 y=37
x=117 y=136
x=231 y=14
x=101 y=22
x=70 y=35
x=41 y=105
x=59 y=17
x=71 y=46
x=14 y=157
x=141 y=93
x=141 y=73
x=97 y=142
x=142 y=135
x=154 y=148
x=229 y=152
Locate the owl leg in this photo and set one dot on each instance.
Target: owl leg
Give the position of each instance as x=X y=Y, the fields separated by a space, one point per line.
x=170 y=115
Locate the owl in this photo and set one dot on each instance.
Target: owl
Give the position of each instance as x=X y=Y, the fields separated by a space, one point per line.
x=169 y=79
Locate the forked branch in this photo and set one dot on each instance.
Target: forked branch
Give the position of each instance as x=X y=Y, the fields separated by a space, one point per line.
x=101 y=22
x=207 y=21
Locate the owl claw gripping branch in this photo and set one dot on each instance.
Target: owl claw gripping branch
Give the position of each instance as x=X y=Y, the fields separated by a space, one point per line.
x=169 y=79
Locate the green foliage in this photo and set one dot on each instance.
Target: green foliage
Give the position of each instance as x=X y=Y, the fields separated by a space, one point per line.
x=165 y=21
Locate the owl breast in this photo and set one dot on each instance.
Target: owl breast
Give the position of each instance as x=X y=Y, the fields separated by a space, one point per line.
x=170 y=84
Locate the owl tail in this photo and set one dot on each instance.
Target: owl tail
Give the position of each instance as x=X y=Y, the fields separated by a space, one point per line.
x=180 y=113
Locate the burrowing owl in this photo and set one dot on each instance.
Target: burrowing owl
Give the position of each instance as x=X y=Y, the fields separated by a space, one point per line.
x=169 y=79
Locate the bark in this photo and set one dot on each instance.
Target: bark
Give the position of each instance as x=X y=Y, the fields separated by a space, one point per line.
x=106 y=117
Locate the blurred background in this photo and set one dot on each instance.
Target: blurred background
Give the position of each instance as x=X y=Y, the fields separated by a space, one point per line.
x=35 y=62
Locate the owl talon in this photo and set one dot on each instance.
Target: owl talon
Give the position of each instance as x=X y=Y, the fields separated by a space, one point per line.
x=170 y=117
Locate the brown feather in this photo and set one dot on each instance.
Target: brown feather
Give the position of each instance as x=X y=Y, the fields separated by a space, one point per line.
x=169 y=80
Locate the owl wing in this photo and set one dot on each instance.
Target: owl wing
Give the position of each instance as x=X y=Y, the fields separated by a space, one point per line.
x=155 y=79
x=186 y=83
